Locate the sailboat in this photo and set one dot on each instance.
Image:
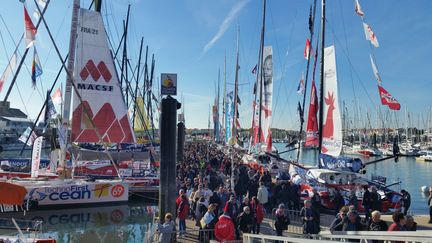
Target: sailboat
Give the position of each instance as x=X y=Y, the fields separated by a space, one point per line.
x=334 y=172
x=99 y=115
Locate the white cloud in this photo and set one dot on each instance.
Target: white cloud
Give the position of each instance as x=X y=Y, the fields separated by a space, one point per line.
x=225 y=24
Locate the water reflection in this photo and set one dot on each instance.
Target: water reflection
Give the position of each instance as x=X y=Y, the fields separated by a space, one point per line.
x=121 y=223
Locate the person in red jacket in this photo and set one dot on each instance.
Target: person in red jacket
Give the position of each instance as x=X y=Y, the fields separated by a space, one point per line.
x=179 y=198
x=398 y=222
x=258 y=213
x=182 y=213
x=224 y=229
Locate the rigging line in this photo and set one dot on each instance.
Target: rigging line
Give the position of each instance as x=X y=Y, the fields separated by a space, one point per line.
x=18 y=54
x=352 y=66
x=348 y=54
x=113 y=18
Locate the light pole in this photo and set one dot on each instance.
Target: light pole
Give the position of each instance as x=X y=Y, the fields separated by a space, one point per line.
x=231 y=142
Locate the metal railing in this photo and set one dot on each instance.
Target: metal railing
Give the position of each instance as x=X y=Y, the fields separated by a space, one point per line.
x=359 y=236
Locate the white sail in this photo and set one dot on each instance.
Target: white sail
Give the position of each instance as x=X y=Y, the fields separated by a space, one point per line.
x=332 y=124
x=98 y=84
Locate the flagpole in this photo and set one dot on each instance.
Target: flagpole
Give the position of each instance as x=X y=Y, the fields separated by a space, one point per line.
x=321 y=112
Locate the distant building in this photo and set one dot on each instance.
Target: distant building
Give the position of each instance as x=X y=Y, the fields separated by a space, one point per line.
x=13 y=122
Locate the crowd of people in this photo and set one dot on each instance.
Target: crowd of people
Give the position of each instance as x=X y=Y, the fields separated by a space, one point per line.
x=224 y=210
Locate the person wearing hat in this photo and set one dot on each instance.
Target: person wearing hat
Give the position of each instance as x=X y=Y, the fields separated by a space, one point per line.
x=245 y=220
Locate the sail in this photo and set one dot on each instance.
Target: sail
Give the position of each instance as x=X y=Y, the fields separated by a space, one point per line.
x=312 y=122
x=332 y=127
x=98 y=84
x=266 y=105
x=139 y=124
x=36 y=156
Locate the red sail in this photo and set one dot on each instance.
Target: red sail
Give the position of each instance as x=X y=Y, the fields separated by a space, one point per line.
x=387 y=99
x=312 y=123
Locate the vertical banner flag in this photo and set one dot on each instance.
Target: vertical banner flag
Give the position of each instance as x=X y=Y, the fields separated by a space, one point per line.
x=387 y=99
x=266 y=104
x=9 y=68
x=358 y=9
x=332 y=127
x=301 y=85
x=36 y=156
x=36 y=68
x=229 y=116
x=307 y=49
x=370 y=35
x=375 y=70
x=30 y=29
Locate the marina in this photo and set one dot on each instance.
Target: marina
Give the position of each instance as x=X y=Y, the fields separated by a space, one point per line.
x=110 y=139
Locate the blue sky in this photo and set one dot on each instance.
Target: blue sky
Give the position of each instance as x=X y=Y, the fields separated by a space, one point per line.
x=192 y=37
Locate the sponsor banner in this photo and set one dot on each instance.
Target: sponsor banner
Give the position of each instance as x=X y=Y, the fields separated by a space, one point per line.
x=168 y=84
x=98 y=85
x=79 y=193
x=340 y=163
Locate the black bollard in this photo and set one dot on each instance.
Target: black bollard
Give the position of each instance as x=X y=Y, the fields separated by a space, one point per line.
x=180 y=140
x=168 y=142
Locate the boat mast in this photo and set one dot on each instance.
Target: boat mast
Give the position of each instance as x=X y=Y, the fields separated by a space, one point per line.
x=223 y=99
x=261 y=79
x=69 y=78
x=124 y=66
x=311 y=30
x=234 y=122
x=137 y=84
x=217 y=115
x=321 y=103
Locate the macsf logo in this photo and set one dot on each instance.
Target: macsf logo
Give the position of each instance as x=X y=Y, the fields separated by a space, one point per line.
x=90 y=69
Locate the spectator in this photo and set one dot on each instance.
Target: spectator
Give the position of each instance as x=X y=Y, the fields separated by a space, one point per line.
x=398 y=222
x=262 y=194
x=182 y=214
x=282 y=220
x=294 y=196
x=309 y=216
x=224 y=228
x=208 y=223
x=245 y=203
x=410 y=225
x=352 y=199
x=284 y=195
x=375 y=199
x=430 y=206
x=338 y=201
x=406 y=201
x=245 y=221
x=258 y=214
x=166 y=230
x=366 y=202
x=375 y=223
x=352 y=222
x=338 y=222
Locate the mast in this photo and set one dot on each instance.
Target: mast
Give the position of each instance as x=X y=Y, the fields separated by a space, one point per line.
x=311 y=30
x=234 y=122
x=261 y=73
x=217 y=115
x=69 y=78
x=223 y=98
x=137 y=84
x=124 y=67
x=321 y=103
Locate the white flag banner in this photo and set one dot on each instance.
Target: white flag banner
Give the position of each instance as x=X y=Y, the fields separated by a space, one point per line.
x=36 y=156
x=370 y=35
x=9 y=69
x=375 y=70
x=332 y=127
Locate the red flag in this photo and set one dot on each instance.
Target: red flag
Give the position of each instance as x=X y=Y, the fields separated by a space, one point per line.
x=57 y=97
x=387 y=99
x=30 y=29
x=307 y=49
